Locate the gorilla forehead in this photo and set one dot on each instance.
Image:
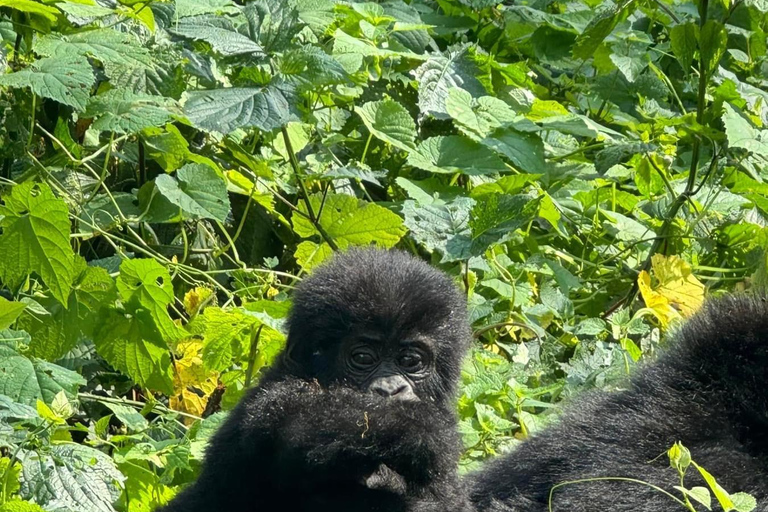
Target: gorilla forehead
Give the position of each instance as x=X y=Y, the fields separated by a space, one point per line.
x=389 y=291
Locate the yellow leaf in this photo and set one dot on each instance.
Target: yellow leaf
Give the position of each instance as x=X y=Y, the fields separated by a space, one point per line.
x=196 y=298
x=192 y=384
x=675 y=294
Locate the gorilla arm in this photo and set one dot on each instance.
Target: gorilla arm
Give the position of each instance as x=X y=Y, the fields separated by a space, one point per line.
x=292 y=437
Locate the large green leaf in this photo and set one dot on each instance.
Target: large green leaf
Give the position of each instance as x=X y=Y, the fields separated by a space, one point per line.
x=122 y=111
x=350 y=221
x=218 y=31
x=198 y=190
x=28 y=379
x=741 y=134
x=350 y=51
x=36 y=238
x=496 y=217
x=440 y=74
x=221 y=336
x=55 y=329
x=9 y=312
x=389 y=121
x=31 y=7
x=118 y=51
x=67 y=79
x=600 y=27
x=477 y=118
x=71 y=477
x=225 y=110
x=684 y=39
x=133 y=345
x=454 y=153
x=442 y=227
x=525 y=150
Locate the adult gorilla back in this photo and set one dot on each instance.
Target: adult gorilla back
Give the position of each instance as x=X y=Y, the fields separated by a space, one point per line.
x=709 y=391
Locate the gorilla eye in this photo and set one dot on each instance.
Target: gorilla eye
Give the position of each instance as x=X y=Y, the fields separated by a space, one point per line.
x=363 y=359
x=411 y=362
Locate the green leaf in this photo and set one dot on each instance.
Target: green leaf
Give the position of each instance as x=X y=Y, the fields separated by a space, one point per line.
x=103 y=213
x=221 y=339
x=133 y=345
x=442 y=227
x=630 y=57
x=122 y=111
x=743 y=502
x=723 y=498
x=225 y=110
x=58 y=329
x=35 y=238
x=454 y=153
x=713 y=42
x=699 y=494
x=28 y=379
x=32 y=7
x=477 y=118
x=198 y=190
x=9 y=312
x=525 y=150
x=684 y=39
x=118 y=51
x=70 y=477
x=389 y=121
x=441 y=73
x=218 y=31
x=600 y=27
x=67 y=80
x=741 y=134
x=497 y=216
x=350 y=221
x=350 y=51
x=131 y=418
x=20 y=506
x=167 y=147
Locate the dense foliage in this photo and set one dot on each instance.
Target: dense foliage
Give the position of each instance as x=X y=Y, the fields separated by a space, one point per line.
x=587 y=170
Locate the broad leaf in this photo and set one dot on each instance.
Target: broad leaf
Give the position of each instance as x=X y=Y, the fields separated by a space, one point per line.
x=123 y=111
x=198 y=190
x=28 y=379
x=525 y=150
x=35 y=238
x=9 y=312
x=71 y=477
x=441 y=73
x=454 y=153
x=741 y=134
x=442 y=227
x=220 y=32
x=684 y=39
x=350 y=221
x=497 y=216
x=225 y=110
x=67 y=80
x=390 y=122
x=32 y=7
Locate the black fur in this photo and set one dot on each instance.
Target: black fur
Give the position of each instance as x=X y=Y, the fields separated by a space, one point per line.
x=307 y=439
x=709 y=391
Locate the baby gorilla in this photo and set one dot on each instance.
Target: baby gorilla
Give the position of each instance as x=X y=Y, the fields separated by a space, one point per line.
x=357 y=413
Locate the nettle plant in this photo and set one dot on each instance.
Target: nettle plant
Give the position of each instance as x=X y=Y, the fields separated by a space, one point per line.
x=170 y=169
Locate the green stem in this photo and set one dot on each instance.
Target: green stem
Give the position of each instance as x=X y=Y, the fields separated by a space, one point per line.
x=617 y=479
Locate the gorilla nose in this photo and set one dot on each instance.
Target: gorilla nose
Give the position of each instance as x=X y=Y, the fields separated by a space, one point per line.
x=392 y=387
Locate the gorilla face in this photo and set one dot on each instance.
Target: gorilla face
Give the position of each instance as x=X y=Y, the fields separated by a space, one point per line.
x=382 y=322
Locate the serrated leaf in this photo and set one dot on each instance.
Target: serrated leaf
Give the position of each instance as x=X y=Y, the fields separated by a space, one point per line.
x=497 y=216
x=743 y=502
x=70 y=477
x=442 y=227
x=675 y=294
x=9 y=312
x=20 y=506
x=600 y=27
x=699 y=494
x=741 y=134
x=198 y=190
x=59 y=329
x=28 y=379
x=684 y=39
x=35 y=238
x=350 y=221
x=390 y=122
x=225 y=110
x=525 y=150
x=67 y=80
x=131 y=418
x=118 y=51
x=350 y=51
x=218 y=31
x=167 y=147
x=453 y=153
x=308 y=254
x=274 y=22
x=122 y=111
x=133 y=344
x=193 y=383
x=32 y=7
x=477 y=118
x=713 y=41
x=441 y=73
x=221 y=332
